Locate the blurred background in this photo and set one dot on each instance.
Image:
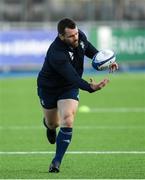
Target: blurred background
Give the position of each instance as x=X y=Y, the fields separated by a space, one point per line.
x=27 y=27
x=115 y=121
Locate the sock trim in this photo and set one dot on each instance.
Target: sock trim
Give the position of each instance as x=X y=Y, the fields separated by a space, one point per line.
x=68 y=133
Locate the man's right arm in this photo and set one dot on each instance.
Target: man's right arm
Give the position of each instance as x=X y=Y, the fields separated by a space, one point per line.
x=66 y=70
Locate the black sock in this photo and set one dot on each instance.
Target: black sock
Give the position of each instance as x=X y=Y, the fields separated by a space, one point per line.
x=62 y=142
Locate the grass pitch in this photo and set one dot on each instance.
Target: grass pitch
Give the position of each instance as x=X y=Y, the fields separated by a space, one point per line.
x=108 y=140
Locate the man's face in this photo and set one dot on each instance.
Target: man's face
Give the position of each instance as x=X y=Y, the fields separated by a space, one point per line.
x=71 y=37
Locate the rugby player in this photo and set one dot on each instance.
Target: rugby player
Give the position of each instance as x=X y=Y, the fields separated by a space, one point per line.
x=59 y=82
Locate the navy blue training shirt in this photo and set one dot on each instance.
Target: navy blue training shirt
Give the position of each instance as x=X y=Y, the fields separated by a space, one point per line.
x=63 y=65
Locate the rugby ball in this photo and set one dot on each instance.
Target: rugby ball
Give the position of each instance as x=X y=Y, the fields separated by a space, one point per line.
x=103 y=59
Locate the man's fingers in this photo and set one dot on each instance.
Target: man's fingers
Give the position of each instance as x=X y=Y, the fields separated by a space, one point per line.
x=100 y=85
x=113 y=67
x=103 y=83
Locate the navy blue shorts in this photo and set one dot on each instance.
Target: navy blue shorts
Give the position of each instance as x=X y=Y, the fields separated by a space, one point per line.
x=49 y=100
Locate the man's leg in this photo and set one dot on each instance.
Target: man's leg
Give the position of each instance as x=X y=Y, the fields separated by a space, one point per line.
x=67 y=109
x=51 y=122
x=51 y=117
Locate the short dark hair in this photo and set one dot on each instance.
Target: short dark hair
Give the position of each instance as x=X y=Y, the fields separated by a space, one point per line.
x=65 y=23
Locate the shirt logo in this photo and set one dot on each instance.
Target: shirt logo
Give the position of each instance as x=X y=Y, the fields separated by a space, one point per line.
x=71 y=55
x=82 y=44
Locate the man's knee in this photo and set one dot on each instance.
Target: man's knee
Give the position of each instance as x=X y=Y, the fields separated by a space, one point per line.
x=67 y=119
x=51 y=118
x=51 y=123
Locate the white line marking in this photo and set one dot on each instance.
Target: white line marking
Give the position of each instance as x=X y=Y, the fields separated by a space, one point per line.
x=75 y=127
x=70 y=152
x=114 y=110
x=21 y=127
x=111 y=127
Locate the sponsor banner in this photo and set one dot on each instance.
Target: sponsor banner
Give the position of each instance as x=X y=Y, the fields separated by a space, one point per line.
x=24 y=47
x=129 y=44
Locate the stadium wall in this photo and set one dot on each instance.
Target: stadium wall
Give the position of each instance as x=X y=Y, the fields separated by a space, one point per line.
x=24 y=49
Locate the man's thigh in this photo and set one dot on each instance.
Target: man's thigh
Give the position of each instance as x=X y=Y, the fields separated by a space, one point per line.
x=48 y=102
x=64 y=104
x=67 y=109
x=67 y=106
x=51 y=117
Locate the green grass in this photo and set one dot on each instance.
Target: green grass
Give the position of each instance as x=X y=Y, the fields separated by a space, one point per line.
x=21 y=129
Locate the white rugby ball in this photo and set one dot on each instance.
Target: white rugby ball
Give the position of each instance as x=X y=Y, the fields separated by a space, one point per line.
x=103 y=59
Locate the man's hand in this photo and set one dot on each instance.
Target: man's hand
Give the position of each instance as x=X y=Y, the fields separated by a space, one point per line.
x=97 y=86
x=113 y=67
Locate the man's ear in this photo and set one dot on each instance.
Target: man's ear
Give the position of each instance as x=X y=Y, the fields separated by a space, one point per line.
x=61 y=37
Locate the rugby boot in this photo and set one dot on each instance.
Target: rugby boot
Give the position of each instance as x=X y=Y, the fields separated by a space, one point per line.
x=54 y=167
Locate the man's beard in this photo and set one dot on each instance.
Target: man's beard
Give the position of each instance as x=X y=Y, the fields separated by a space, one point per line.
x=74 y=44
